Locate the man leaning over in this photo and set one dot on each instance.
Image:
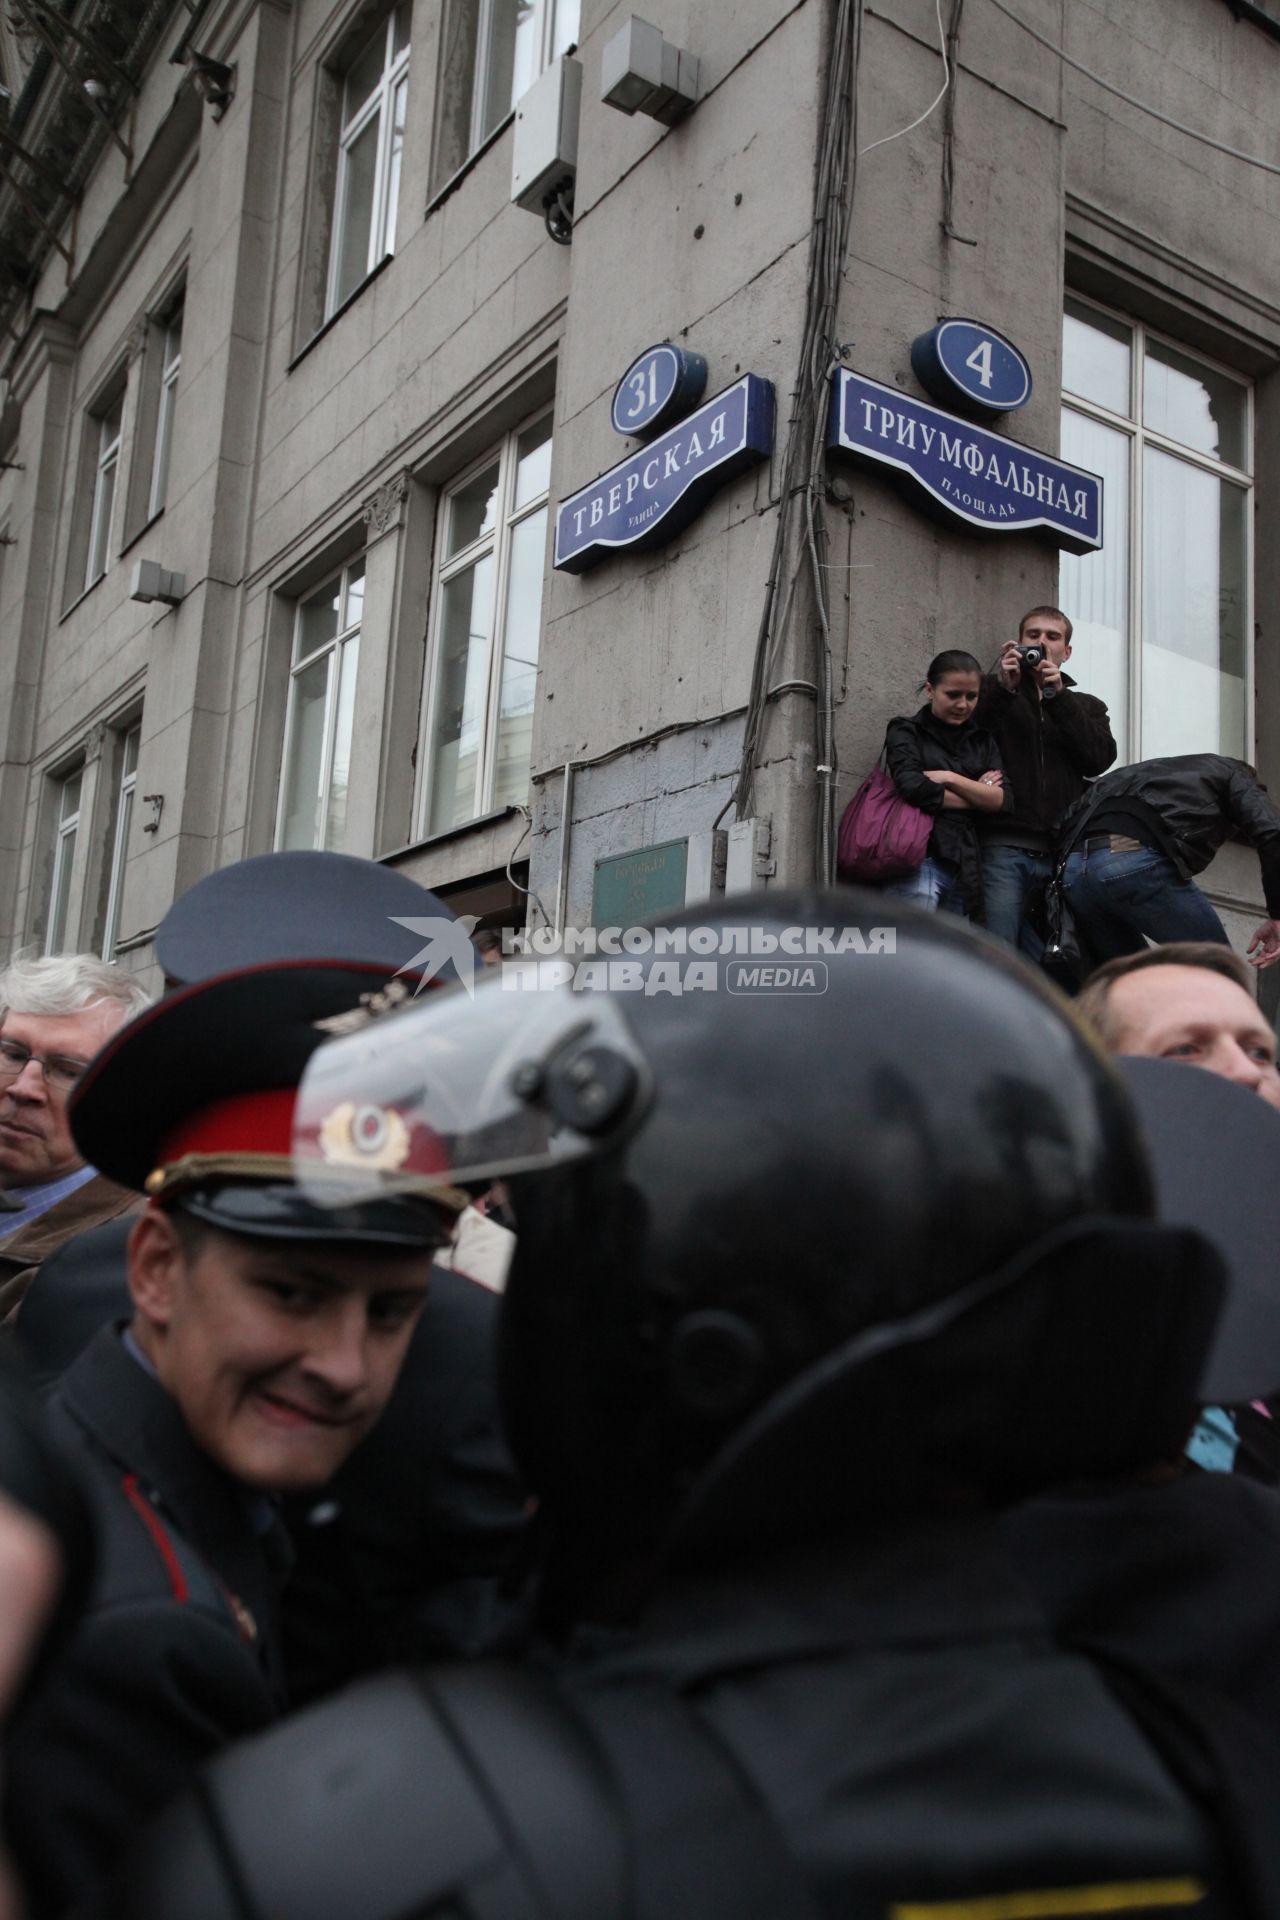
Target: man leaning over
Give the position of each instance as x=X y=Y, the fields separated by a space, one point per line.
x=55 y=1013
x=1052 y=738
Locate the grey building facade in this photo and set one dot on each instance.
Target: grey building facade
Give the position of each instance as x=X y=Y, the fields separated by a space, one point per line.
x=274 y=328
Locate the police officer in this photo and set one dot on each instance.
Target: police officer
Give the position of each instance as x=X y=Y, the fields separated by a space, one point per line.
x=403 y=1555
x=265 y=1339
x=805 y=1287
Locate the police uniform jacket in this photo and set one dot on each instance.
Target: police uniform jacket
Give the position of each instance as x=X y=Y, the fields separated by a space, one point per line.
x=175 y=1654
x=869 y=1727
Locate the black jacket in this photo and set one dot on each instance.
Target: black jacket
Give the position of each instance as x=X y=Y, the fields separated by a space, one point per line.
x=176 y=1654
x=1049 y=748
x=1191 y=803
x=917 y=741
x=880 y=1726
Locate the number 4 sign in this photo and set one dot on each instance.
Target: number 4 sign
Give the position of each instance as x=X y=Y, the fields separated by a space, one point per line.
x=971 y=367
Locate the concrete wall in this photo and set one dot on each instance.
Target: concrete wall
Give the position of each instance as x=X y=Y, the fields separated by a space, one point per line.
x=300 y=446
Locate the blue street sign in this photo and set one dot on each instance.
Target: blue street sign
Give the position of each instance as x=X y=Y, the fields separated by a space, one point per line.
x=649 y=497
x=966 y=473
x=657 y=388
x=966 y=364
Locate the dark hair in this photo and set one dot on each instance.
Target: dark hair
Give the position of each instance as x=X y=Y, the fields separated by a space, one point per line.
x=1054 y=613
x=1092 y=1002
x=954 y=660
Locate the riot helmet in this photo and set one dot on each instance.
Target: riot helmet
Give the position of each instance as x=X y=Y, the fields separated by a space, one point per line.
x=880 y=1234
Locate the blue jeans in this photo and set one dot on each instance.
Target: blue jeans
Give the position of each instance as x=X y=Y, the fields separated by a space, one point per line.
x=934 y=886
x=1009 y=876
x=1117 y=898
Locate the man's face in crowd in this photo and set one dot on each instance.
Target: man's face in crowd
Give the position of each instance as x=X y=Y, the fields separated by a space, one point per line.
x=1193 y=1014
x=35 y=1140
x=1047 y=631
x=280 y=1356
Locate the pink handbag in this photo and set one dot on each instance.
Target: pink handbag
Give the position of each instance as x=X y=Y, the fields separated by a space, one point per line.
x=882 y=836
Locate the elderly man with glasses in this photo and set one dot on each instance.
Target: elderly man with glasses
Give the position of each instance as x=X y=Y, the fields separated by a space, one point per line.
x=55 y=1013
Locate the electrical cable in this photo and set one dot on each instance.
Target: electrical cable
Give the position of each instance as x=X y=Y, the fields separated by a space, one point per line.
x=920 y=118
x=1108 y=86
x=528 y=892
x=802 y=477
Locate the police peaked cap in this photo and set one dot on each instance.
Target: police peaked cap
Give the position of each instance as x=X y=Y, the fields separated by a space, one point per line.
x=192 y=1103
x=296 y=906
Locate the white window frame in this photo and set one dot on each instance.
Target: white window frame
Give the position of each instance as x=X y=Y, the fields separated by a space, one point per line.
x=380 y=102
x=106 y=486
x=334 y=649
x=497 y=541
x=170 y=368
x=1140 y=436
x=120 y=840
x=546 y=13
x=64 y=853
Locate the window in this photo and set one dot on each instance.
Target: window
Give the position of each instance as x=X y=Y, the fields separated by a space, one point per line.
x=322 y=688
x=106 y=469
x=487 y=608
x=1162 y=614
x=170 y=364
x=492 y=51
x=64 y=853
x=120 y=842
x=370 y=141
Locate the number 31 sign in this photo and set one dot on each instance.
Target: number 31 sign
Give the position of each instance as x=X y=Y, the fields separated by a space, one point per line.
x=972 y=367
x=662 y=385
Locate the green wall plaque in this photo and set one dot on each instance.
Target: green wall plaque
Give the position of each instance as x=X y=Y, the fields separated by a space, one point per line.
x=630 y=888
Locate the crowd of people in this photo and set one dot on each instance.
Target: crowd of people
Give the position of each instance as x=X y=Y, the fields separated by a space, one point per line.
x=1013 y=769
x=861 y=1494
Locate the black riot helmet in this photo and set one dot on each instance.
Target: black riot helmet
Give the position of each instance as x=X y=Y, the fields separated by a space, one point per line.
x=871 y=1227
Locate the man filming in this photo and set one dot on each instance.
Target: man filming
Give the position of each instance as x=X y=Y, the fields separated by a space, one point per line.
x=1052 y=738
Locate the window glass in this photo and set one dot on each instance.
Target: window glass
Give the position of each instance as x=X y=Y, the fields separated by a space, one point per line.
x=1162 y=613
x=1193 y=403
x=120 y=844
x=1193 y=668
x=485 y=636
x=533 y=462
x=317 y=621
x=519 y=661
x=340 y=772
x=465 y=626
x=64 y=854
x=320 y=724
x=1096 y=357
x=1095 y=586
x=356 y=222
x=367 y=189
x=306 y=757
x=472 y=510
x=565 y=31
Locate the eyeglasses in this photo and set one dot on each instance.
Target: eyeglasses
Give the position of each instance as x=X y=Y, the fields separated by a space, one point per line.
x=59 y=1070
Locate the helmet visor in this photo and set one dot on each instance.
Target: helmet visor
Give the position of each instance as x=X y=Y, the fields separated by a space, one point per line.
x=467 y=1089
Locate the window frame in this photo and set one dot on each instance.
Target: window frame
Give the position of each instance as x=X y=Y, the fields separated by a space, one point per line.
x=166 y=403
x=447 y=166
x=1139 y=437
x=334 y=649
x=66 y=829
x=497 y=541
x=122 y=821
x=106 y=461
x=380 y=103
